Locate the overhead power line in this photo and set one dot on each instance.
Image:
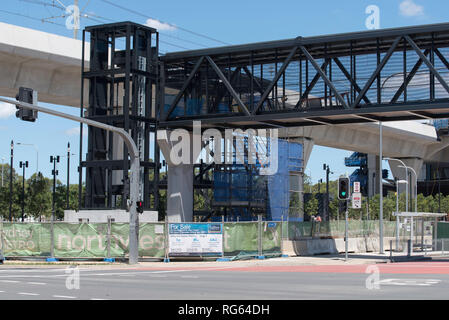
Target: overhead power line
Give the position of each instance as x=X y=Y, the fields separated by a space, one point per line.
x=30 y=17
x=177 y=27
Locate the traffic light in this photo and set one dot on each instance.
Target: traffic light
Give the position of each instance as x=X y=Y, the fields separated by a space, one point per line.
x=140 y=206
x=29 y=96
x=343 y=188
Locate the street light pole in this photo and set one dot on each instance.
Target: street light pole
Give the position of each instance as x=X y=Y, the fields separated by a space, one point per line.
x=23 y=165
x=3 y=165
x=10 y=180
x=381 y=209
x=397 y=208
x=68 y=175
x=416 y=186
x=54 y=160
x=326 y=207
x=37 y=153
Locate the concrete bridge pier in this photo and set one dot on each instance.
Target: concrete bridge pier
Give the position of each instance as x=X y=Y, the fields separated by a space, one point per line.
x=180 y=175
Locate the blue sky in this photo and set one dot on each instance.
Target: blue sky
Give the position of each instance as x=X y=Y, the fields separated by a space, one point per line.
x=191 y=25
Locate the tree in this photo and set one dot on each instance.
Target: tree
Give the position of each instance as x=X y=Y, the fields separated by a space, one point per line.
x=39 y=196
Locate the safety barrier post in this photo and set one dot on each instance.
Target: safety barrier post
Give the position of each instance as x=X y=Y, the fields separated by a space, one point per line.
x=259 y=237
x=109 y=238
x=282 y=236
x=166 y=242
x=391 y=250
x=222 y=236
x=2 y=257
x=409 y=247
x=52 y=240
x=442 y=247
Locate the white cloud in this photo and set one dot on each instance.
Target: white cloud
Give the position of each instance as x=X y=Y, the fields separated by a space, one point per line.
x=153 y=23
x=410 y=9
x=75 y=131
x=6 y=110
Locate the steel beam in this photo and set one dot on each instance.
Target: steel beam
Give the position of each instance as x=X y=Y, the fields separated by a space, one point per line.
x=376 y=72
x=324 y=77
x=442 y=58
x=183 y=89
x=348 y=76
x=228 y=85
x=409 y=78
x=258 y=85
x=222 y=92
x=275 y=80
x=427 y=62
x=311 y=85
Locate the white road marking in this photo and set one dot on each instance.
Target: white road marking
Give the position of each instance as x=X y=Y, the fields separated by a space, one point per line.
x=37 y=283
x=2 y=291
x=409 y=282
x=10 y=281
x=64 y=297
x=106 y=274
x=28 y=294
x=98 y=299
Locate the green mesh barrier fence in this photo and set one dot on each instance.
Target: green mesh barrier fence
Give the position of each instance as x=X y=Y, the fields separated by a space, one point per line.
x=241 y=239
x=151 y=240
x=25 y=239
x=271 y=238
x=336 y=229
x=79 y=240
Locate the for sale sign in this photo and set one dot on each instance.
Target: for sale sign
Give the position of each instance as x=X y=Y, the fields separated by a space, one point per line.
x=195 y=239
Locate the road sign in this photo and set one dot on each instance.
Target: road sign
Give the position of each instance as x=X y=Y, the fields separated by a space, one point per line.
x=356 y=200
x=356 y=186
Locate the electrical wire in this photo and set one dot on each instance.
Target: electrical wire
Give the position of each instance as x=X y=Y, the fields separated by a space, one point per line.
x=177 y=27
x=30 y=17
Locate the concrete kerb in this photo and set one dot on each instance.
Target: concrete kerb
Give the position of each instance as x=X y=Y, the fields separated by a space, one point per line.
x=356 y=259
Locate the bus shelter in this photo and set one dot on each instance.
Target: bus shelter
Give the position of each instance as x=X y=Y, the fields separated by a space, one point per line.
x=409 y=219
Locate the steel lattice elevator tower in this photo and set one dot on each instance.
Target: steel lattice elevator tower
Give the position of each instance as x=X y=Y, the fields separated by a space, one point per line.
x=122 y=81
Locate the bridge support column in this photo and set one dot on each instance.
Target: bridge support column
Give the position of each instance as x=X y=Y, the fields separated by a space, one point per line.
x=308 y=144
x=180 y=180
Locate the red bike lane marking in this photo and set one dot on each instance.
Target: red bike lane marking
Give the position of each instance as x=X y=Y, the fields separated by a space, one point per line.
x=397 y=268
x=393 y=268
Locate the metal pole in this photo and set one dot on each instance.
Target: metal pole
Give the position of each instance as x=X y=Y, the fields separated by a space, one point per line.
x=259 y=240
x=397 y=212
x=166 y=242
x=10 y=180
x=109 y=238
x=346 y=231
x=68 y=177
x=53 y=159
x=3 y=165
x=422 y=234
x=222 y=237
x=23 y=189
x=381 y=230
x=282 y=235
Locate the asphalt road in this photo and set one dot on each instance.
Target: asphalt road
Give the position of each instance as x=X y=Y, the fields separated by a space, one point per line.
x=421 y=280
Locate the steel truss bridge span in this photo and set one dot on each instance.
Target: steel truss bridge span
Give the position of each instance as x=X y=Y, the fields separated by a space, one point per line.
x=370 y=76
